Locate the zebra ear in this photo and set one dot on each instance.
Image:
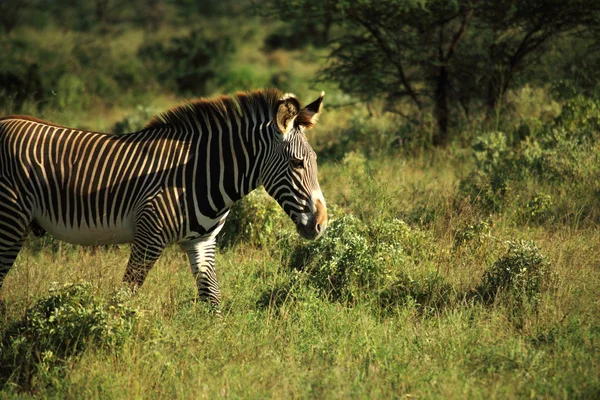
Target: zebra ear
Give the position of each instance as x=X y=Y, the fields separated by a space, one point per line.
x=308 y=115
x=287 y=111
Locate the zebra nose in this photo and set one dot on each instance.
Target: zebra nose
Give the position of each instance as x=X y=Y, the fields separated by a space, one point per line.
x=320 y=218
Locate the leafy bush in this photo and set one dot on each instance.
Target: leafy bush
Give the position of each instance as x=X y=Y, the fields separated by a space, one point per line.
x=371 y=137
x=256 y=220
x=355 y=260
x=58 y=71
x=581 y=116
x=58 y=328
x=518 y=277
x=562 y=154
x=488 y=184
x=475 y=232
x=428 y=293
x=135 y=121
x=191 y=63
x=539 y=208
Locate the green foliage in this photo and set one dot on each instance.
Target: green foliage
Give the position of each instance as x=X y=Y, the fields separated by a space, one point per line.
x=57 y=329
x=371 y=137
x=580 y=116
x=256 y=220
x=55 y=70
x=355 y=261
x=444 y=58
x=193 y=63
x=488 y=183
x=560 y=153
x=518 y=278
x=539 y=208
x=134 y=122
x=429 y=294
x=474 y=233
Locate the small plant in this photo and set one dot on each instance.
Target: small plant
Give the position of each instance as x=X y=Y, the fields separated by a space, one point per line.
x=539 y=208
x=428 y=293
x=256 y=220
x=135 y=121
x=58 y=328
x=489 y=183
x=518 y=277
x=477 y=232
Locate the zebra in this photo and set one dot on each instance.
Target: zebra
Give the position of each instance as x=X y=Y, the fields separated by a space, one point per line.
x=172 y=182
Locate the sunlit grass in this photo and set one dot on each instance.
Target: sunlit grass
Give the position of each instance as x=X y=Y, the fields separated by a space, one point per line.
x=311 y=347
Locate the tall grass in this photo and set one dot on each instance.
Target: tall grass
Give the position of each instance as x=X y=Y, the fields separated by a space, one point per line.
x=280 y=336
x=467 y=272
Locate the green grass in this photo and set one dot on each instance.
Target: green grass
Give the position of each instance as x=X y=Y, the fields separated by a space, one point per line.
x=304 y=345
x=282 y=335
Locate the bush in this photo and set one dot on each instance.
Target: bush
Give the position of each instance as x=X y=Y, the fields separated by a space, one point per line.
x=518 y=278
x=489 y=183
x=476 y=232
x=561 y=153
x=135 y=121
x=429 y=293
x=357 y=261
x=57 y=329
x=193 y=64
x=256 y=220
x=371 y=137
x=539 y=208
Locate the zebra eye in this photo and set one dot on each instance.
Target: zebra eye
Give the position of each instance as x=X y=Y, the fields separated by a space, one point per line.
x=297 y=163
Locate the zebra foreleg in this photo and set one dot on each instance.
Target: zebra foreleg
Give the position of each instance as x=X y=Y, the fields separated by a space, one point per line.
x=14 y=225
x=7 y=259
x=201 y=254
x=144 y=254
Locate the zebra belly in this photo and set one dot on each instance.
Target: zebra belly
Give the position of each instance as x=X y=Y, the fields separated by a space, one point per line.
x=89 y=235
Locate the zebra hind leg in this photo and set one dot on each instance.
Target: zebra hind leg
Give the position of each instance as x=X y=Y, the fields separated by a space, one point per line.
x=202 y=261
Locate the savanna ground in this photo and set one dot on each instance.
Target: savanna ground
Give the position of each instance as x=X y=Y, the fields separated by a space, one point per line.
x=470 y=271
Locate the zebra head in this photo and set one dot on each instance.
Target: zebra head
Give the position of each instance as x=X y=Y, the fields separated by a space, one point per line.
x=290 y=176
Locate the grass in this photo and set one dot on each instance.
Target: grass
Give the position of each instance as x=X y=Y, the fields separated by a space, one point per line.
x=280 y=335
x=303 y=345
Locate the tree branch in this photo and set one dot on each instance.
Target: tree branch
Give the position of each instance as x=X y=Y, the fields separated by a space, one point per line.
x=389 y=55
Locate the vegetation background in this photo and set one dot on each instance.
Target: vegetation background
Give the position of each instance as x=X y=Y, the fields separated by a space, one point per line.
x=459 y=152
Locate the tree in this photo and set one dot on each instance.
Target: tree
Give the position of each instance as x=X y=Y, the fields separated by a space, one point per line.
x=522 y=32
x=441 y=55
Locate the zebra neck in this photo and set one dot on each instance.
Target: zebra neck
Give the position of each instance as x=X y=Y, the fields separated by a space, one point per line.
x=230 y=154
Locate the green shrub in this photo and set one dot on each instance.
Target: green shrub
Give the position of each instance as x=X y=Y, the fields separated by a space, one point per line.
x=429 y=293
x=539 y=208
x=476 y=232
x=580 y=116
x=561 y=154
x=135 y=121
x=517 y=278
x=371 y=137
x=256 y=220
x=57 y=329
x=357 y=261
x=489 y=183
x=191 y=63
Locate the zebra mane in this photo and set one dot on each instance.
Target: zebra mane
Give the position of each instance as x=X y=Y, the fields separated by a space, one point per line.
x=253 y=103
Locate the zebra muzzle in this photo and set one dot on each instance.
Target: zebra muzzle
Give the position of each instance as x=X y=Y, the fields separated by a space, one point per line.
x=313 y=226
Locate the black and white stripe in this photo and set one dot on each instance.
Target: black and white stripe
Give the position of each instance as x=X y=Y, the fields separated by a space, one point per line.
x=174 y=181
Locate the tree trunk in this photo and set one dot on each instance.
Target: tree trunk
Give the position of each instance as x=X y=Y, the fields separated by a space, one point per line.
x=497 y=86
x=441 y=107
